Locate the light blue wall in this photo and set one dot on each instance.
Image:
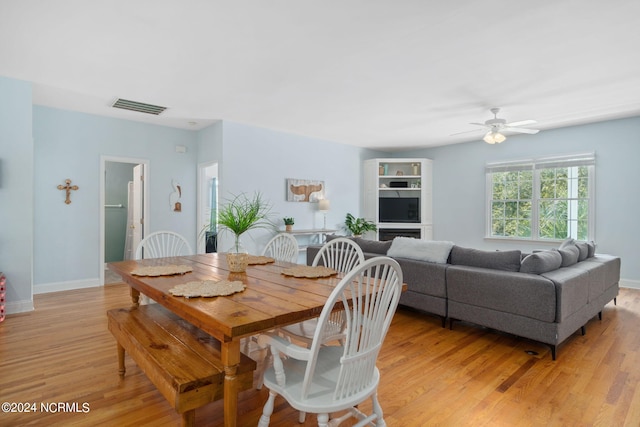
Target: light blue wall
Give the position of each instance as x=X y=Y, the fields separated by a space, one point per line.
x=210 y=143
x=16 y=193
x=256 y=159
x=70 y=145
x=459 y=212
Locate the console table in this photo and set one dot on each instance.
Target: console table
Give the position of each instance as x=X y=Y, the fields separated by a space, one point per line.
x=315 y=235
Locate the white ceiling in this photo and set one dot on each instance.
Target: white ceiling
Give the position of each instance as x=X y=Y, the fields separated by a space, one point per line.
x=379 y=74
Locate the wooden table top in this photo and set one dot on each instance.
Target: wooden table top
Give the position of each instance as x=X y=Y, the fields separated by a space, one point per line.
x=270 y=299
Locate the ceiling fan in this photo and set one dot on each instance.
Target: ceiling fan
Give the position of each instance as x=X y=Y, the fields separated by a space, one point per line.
x=496 y=127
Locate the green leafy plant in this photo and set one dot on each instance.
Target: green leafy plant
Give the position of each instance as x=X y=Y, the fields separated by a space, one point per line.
x=358 y=226
x=241 y=214
x=288 y=221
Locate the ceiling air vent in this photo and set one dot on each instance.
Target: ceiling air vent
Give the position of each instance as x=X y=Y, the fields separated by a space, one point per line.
x=138 y=106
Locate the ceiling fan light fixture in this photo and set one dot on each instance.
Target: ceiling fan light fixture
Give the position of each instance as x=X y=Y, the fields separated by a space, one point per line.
x=494 y=137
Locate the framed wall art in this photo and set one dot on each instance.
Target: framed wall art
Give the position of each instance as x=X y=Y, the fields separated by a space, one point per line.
x=304 y=190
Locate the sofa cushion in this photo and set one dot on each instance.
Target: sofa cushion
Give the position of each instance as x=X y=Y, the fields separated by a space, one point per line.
x=373 y=246
x=592 y=249
x=421 y=250
x=330 y=237
x=569 y=255
x=541 y=262
x=526 y=295
x=497 y=260
x=583 y=247
x=569 y=241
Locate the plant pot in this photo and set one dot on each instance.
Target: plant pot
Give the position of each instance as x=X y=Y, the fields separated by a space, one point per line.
x=237 y=261
x=288 y=228
x=237 y=257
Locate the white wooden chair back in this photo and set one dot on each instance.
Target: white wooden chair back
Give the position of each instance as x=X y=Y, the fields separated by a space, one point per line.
x=162 y=244
x=374 y=288
x=341 y=254
x=339 y=377
x=282 y=247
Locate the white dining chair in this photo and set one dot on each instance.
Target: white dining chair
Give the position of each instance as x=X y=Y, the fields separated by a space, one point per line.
x=282 y=247
x=161 y=244
x=324 y=379
x=342 y=255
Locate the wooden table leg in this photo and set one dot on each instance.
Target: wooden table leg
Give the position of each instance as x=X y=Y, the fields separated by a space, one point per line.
x=135 y=297
x=230 y=352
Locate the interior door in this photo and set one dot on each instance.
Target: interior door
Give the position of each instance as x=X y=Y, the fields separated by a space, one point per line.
x=138 y=206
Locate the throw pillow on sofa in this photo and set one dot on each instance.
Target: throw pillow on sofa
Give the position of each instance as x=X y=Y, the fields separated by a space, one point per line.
x=569 y=241
x=541 y=262
x=497 y=260
x=421 y=250
x=569 y=255
x=373 y=246
x=583 y=247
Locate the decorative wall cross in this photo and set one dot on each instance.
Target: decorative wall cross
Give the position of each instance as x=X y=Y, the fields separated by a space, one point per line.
x=68 y=187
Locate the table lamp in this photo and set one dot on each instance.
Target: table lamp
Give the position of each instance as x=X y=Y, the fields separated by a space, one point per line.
x=323 y=206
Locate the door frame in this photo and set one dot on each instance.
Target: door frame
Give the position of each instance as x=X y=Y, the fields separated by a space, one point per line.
x=145 y=194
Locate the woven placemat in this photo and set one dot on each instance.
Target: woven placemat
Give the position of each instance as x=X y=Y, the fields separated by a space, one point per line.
x=260 y=260
x=309 y=271
x=207 y=288
x=161 y=270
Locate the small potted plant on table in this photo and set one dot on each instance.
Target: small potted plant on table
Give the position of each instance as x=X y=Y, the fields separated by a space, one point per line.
x=238 y=216
x=288 y=224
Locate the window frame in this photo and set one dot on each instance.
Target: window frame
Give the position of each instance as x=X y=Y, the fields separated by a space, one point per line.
x=536 y=166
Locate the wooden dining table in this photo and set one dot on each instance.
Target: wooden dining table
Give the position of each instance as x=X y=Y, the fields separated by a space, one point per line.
x=270 y=300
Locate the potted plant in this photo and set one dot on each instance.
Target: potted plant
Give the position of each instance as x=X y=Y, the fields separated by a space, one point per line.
x=238 y=216
x=288 y=223
x=358 y=226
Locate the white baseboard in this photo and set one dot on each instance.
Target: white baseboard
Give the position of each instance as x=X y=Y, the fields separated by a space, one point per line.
x=13 y=307
x=627 y=283
x=65 y=286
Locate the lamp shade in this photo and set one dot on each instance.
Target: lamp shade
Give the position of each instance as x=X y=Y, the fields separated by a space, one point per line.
x=324 y=205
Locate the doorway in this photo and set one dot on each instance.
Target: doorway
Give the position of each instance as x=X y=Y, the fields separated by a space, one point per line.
x=207 y=207
x=123 y=197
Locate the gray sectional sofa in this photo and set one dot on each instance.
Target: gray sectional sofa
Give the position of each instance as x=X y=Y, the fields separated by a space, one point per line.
x=545 y=296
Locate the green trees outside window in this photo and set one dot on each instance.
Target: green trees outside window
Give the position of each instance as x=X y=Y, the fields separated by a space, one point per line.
x=532 y=201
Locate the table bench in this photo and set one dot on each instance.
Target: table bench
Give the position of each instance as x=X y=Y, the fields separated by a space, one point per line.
x=182 y=361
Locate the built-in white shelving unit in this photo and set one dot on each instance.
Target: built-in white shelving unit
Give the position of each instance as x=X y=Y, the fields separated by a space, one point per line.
x=397 y=197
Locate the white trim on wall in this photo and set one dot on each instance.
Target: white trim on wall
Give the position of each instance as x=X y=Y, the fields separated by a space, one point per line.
x=65 y=286
x=14 y=307
x=628 y=283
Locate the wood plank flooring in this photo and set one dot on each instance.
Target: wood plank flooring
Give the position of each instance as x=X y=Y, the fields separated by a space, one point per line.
x=431 y=376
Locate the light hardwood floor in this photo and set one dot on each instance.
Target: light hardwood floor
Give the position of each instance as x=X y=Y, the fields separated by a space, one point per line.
x=431 y=376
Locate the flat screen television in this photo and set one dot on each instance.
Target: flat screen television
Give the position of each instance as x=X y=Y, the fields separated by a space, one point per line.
x=399 y=209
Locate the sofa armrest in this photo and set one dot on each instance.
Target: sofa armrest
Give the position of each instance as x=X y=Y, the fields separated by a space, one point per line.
x=424 y=277
x=572 y=290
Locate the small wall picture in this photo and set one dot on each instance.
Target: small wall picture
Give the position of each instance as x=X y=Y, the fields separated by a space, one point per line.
x=304 y=190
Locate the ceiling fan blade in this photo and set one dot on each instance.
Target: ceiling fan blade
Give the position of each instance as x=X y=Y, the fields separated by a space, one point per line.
x=521 y=123
x=521 y=130
x=466 y=131
x=478 y=124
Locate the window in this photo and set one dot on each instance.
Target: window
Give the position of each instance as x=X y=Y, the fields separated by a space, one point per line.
x=542 y=199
